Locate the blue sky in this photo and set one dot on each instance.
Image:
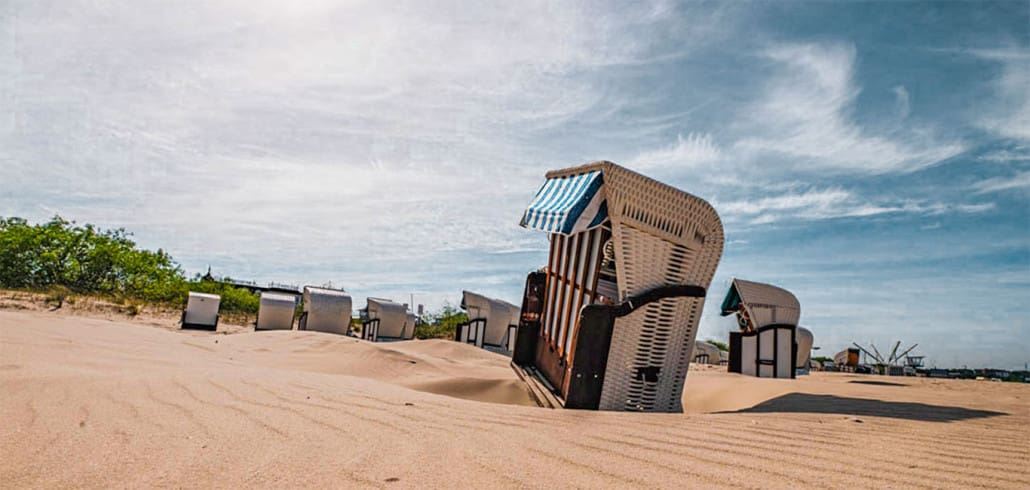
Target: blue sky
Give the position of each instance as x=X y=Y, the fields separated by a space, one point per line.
x=873 y=158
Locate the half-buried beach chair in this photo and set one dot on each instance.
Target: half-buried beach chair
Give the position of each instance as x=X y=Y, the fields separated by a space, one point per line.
x=705 y=353
x=491 y=325
x=805 y=339
x=610 y=322
x=276 y=311
x=201 y=311
x=325 y=310
x=767 y=316
x=386 y=320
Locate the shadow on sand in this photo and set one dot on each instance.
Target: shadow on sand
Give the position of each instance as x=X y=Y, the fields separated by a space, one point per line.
x=876 y=383
x=829 y=404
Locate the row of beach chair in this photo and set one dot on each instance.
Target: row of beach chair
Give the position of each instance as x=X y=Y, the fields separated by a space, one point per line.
x=610 y=321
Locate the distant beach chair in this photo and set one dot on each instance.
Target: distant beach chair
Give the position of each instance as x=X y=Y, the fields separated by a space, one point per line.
x=767 y=316
x=610 y=322
x=325 y=310
x=805 y=340
x=491 y=323
x=201 y=311
x=387 y=320
x=706 y=353
x=276 y=311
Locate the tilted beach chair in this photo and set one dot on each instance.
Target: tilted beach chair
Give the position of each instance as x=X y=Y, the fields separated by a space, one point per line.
x=610 y=322
x=201 y=311
x=325 y=310
x=766 y=345
x=387 y=320
x=491 y=323
x=276 y=311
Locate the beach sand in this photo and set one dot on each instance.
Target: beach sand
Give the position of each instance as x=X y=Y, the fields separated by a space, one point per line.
x=92 y=402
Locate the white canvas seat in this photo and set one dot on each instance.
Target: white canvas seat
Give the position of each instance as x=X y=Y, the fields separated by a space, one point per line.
x=276 y=311
x=325 y=310
x=706 y=353
x=767 y=343
x=387 y=320
x=491 y=322
x=201 y=311
x=610 y=322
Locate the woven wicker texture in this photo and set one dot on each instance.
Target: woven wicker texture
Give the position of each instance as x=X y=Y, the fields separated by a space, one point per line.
x=662 y=236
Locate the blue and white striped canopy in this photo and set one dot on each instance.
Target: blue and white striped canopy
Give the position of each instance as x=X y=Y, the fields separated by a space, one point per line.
x=568 y=205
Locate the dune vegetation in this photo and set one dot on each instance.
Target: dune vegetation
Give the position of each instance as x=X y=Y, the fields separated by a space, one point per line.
x=64 y=259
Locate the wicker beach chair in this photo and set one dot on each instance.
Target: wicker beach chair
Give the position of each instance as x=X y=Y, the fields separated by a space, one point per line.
x=275 y=311
x=325 y=310
x=491 y=325
x=386 y=320
x=610 y=322
x=201 y=311
x=705 y=353
x=766 y=345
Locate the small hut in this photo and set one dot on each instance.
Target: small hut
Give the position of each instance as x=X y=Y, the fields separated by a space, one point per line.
x=767 y=317
x=201 y=311
x=275 y=311
x=491 y=322
x=325 y=310
x=387 y=320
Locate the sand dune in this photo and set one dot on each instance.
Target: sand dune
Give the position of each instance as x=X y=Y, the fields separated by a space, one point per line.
x=102 y=403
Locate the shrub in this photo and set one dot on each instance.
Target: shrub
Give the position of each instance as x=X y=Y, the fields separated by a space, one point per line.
x=442 y=324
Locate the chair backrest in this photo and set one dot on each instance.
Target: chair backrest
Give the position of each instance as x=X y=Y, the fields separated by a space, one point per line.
x=201 y=309
x=327 y=310
x=395 y=323
x=276 y=311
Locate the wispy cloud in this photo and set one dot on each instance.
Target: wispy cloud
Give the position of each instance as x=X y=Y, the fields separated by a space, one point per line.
x=1009 y=114
x=820 y=204
x=804 y=117
x=1020 y=180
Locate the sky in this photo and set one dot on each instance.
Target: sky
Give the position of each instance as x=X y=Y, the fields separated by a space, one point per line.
x=872 y=158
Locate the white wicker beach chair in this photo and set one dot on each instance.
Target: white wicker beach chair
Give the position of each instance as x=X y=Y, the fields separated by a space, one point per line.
x=610 y=322
x=805 y=340
x=766 y=345
x=387 y=320
x=325 y=310
x=201 y=311
x=275 y=311
x=491 y=322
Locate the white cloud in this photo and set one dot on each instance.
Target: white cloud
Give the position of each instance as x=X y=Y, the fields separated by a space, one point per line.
x=694 y=150
x=1008 y=115
x=1017 y=154
x=1020 y=180
x=902 y=101
x=804 y=118
x=820 y=204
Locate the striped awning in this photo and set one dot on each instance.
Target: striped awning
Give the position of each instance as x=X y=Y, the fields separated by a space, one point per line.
x=568 y=205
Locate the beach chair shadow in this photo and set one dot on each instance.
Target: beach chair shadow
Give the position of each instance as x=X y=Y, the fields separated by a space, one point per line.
x=830 y=404
x=876 y=383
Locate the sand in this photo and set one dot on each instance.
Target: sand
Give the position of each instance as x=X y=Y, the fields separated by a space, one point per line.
x=91 y=402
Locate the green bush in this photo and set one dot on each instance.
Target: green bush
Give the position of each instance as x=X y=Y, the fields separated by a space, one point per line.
x=234 y=299
x=441 y=325
x=84 y=260
x=61 y=257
